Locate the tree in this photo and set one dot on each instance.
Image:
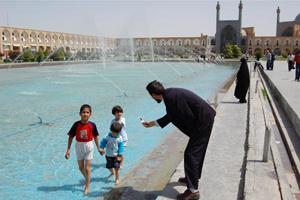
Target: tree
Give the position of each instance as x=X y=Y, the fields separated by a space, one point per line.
x=258 y=54
x=228 y=51
x=46 y=53
x=13 y=54
x=236 y=51
x=187 y=50
x=284 y=54
x=27 y=55
x=40 y=53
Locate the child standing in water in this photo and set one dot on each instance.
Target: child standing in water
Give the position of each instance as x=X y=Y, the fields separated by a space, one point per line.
x=85 y=131
x=114 y=150
x=117 y=111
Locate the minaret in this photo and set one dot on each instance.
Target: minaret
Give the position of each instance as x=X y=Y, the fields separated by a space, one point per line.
x=278 y=20
x=217 y=36
x=240 y=24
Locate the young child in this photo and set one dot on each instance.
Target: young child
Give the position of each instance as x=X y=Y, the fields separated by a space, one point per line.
x=114 y=151
x=85 y=131
x=117 y=111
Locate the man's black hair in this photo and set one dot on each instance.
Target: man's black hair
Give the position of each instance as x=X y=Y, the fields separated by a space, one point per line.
x=116 y=127
x=85 y=106
x=155 y=87
x=116 y=109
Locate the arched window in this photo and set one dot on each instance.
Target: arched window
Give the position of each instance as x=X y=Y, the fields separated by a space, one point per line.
x=213 y=42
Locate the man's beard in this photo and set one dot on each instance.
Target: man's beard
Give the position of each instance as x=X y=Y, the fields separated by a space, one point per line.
x=158 y=100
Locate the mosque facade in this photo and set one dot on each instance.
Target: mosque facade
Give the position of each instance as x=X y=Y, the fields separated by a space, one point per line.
x=287 y=39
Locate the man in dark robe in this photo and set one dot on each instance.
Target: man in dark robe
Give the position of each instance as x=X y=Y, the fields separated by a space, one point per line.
x=243 y=82
x=194 y=117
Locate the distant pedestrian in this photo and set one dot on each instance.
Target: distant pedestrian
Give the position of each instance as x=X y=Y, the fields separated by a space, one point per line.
x=242 y=82
x=39 y=58
x=268 y=57
x=272 y=61
x=297 y=60
x=290 y=59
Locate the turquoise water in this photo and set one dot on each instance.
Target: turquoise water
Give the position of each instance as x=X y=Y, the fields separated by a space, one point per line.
x=32 y=163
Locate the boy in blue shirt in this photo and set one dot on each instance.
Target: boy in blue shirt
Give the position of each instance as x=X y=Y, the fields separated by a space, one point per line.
x=114 y=150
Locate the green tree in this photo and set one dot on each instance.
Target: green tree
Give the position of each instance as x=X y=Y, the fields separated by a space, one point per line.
x=236 y=51
x=27 y=55
x=40 y=53
x=284 y=54
x=186 y=51
x=228 y=51
x=46 y=53
x=258 y=54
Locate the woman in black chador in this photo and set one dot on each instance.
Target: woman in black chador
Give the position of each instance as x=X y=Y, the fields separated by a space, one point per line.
x=243 y=82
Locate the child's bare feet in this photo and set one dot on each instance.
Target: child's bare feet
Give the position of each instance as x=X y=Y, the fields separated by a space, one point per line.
x=117 y=181
x=86 y=191
x=111 y=175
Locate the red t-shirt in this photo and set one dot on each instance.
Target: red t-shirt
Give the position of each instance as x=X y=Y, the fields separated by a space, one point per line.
x=83 y=132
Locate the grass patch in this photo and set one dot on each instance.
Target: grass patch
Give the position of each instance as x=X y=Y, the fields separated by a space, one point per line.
x=264 y=92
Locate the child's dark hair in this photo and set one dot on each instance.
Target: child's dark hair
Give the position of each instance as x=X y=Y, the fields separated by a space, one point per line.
x=116 y=109
x=85 y=106
x=116 y=127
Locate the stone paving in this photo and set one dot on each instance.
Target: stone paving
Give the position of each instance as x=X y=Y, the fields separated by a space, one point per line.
x=233 y=167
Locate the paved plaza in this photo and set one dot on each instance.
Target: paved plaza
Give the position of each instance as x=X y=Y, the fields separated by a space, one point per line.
x=233 y=168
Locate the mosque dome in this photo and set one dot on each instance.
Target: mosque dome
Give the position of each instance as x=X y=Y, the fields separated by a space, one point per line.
x=297 y=19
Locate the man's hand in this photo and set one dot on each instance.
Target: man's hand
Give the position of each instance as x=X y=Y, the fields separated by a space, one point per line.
x=67 y=156
x=101 y=151
x=148 y=124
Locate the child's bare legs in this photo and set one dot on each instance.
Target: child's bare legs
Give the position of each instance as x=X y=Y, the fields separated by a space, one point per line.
x=117 y=170
x=88 y=176
x=81 y=168
x=111 y=172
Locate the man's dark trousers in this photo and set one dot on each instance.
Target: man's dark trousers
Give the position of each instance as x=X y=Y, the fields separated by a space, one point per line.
x=194 y=155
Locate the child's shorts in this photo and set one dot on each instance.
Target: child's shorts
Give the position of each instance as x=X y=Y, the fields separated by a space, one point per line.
x=111 y=162
x=84 y=150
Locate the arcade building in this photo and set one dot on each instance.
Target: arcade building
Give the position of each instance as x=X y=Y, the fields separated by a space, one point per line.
x=287 y=39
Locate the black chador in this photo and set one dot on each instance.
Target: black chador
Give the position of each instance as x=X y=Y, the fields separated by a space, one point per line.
x=195 y=118
x=243 y=82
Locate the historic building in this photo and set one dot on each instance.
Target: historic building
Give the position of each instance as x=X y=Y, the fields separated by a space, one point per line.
x=168 y=46
x=16 y=39
x=227 y=31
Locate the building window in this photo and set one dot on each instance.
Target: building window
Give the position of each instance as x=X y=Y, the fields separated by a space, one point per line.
x=179 y=43
x=250 y=42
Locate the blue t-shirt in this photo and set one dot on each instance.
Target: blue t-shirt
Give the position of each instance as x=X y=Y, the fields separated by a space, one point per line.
x=114 y=145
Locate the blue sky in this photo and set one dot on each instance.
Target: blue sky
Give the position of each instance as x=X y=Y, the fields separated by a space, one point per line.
x=142 y=18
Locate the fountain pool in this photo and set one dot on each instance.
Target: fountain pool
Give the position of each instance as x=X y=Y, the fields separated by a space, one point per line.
x=32 y=163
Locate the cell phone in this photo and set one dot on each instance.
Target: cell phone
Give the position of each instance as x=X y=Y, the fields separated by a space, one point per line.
x=141 y=119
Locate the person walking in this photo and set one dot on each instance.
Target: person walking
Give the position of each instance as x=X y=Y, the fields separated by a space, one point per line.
x=297 y=61
x=268 y=57
x=290 y=59
x=195 y=118
x=242 y=82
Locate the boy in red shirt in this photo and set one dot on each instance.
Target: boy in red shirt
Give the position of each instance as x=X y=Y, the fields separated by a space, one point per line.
x=85 y=131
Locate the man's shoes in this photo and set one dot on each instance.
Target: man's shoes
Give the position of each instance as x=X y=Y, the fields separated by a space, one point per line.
x=188 y=195
x=182 y=180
